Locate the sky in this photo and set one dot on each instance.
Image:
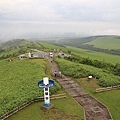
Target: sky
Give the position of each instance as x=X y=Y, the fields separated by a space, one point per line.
x=88 y=17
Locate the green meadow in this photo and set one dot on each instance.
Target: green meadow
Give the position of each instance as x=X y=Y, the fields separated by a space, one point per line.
x=106 y=43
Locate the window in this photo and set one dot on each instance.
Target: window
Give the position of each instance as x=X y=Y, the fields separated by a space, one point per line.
x=46 y=98
x=46 y=89
x=46 y=93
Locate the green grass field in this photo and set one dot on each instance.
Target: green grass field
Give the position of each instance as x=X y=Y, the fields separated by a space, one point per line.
x=106 y=43
x=68 y=109
x=18 y=81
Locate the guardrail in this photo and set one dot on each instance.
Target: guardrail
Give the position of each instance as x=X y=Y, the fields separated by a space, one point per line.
x=107 y=88
x=38 y=99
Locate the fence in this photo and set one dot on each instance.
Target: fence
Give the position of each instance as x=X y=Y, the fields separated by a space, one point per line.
x=107 y=88
x=15 y=110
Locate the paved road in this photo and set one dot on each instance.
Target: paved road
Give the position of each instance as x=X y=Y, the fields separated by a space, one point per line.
x=94 y=110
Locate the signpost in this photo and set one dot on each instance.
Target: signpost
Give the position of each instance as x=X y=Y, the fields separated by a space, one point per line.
x=46 y=84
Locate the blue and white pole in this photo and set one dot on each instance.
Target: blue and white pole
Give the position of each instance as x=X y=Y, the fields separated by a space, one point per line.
x=46 y=83
x=46 y=92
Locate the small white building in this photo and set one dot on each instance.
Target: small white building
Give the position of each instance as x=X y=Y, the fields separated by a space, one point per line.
x=51 y=54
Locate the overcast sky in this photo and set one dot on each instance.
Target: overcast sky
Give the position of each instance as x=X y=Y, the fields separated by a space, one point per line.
x=93 y=17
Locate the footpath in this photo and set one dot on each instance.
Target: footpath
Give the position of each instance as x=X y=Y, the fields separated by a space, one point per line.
x=93 y=109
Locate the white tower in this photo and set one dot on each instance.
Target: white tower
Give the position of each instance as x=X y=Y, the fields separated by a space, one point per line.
x=46 y=92
x=46 y=83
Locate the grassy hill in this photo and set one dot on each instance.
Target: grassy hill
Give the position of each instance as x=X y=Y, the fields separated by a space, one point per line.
x=100 y=56
x=16 y=47
x=18 y=82
x=106 y=42
x=19 y=77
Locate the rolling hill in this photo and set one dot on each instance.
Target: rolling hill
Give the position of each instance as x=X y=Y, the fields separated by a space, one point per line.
x=106 y=44
x=82 y=63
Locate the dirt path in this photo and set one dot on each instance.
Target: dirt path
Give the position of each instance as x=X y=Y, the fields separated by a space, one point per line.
x=94 y=110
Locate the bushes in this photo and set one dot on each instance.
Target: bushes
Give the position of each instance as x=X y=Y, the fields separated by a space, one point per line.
x=79 y=70
x=114 y=69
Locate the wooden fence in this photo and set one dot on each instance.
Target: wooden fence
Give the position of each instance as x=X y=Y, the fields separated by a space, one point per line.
x=107 y=88
x=38 y=99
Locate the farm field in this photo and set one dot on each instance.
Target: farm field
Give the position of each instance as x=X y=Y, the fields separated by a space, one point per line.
x=18 y=82
x=106 y=43
x=68 y=109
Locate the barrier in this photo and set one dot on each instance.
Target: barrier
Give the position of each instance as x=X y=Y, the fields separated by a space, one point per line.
x=38 y=99
x=107 y=88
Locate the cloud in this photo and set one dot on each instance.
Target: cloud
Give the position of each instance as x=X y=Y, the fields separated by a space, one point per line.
x=60 y=10
x=17 y=28
x=19 y=17
x=26 y=10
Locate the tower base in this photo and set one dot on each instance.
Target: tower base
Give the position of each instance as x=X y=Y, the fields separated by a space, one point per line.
x=47 y=107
